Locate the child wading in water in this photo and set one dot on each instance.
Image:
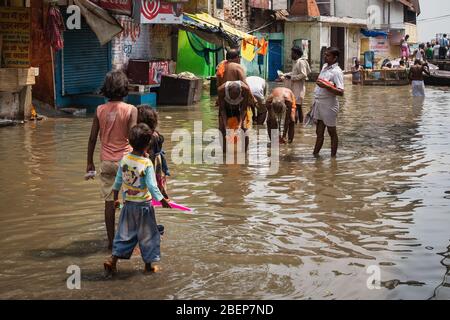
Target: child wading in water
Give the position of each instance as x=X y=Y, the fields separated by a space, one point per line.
x=137 y=223
x=156 y=153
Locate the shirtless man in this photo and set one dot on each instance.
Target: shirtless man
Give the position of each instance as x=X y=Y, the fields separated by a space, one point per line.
x=416 y=77
x=230 y=69
x=281 y=100
x=235 y=98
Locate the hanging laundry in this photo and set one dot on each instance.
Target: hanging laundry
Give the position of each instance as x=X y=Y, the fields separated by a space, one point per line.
x=248 y=51
x=55 y=28
x=221 y=68
x=264 y=46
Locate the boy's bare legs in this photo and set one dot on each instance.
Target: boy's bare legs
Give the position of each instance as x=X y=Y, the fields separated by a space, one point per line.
x=154 y=267
x=110 y=265
x=110 y=220
x=271 y=124
x=289 y=126
x=291 y=131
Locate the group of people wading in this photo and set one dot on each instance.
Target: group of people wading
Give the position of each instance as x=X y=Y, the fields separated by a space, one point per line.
x=243 y=101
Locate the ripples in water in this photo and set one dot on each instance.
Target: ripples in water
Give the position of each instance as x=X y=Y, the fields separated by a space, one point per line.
x=310 y=231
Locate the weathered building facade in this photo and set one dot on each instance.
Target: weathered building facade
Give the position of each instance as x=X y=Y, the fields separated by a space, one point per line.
x=327 y=29
x=339 y=24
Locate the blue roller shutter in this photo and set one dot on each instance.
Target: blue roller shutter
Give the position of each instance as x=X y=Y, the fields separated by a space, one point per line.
x=85 y=62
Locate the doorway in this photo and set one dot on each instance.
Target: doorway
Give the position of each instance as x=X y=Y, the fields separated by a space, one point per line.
x=275 y=58
x=338 y=41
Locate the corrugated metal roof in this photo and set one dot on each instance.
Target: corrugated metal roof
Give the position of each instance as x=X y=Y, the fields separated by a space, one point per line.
x=206 y=19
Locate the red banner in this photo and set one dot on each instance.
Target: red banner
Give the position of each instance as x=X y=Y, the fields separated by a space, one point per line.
x=156 y=11
x=116 y=6
x=157 y=70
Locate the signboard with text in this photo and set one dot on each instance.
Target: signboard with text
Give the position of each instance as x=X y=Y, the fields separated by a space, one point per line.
x=279 y=5
x=158 y=12
x=380 y=46
x=15 y=28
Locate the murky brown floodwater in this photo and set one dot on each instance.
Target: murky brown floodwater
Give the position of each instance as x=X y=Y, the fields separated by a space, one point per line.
x=309 y=232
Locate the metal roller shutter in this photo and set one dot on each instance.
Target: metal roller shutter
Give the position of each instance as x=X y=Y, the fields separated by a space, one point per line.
x=85 y=62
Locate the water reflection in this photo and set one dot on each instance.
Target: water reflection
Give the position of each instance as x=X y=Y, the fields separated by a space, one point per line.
x=442 y=291
x=310 y=231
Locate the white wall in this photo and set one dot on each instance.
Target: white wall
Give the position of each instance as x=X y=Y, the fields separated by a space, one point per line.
x=308 y=31
x=359 y=9
x=397 y=15
x=133 y=43
x=353 y=47
x=352 y=8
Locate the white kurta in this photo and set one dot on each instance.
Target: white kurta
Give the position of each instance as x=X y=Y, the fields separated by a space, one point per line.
x=326 y=104
x=297 y=83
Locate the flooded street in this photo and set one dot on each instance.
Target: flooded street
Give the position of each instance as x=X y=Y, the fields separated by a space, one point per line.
x=311 y=231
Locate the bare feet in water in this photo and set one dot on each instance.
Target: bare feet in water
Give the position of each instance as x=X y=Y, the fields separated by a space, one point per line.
x=152 y=268
x=110 y=266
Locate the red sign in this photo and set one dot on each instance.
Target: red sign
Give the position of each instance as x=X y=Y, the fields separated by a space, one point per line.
x=156 y=11
x=157 y=70
x=116 y=6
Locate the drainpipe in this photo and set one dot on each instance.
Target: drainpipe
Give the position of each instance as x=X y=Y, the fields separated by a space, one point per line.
x=389 y=14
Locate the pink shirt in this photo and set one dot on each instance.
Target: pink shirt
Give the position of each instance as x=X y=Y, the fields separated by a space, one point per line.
x=114 y=118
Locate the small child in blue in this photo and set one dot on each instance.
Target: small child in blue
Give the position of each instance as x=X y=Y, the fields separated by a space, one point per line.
x=137 y=222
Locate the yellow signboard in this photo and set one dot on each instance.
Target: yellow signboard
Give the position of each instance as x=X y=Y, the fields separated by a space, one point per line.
x=15 y=28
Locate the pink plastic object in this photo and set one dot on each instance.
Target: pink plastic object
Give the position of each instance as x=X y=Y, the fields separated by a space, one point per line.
x=173 y=205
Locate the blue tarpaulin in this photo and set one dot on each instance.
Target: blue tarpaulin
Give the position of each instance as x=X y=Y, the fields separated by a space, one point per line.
x=374 y=33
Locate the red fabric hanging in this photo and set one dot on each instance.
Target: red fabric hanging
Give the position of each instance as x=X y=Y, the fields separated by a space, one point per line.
x=55 y=28
x=264 y=45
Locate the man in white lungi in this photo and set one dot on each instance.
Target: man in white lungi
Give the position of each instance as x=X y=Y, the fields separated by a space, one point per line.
x=416 y=77
x=330 y=85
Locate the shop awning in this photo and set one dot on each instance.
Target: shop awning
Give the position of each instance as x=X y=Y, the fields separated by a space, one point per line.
x=101 y=22
x=374 y=33
x=214 y=30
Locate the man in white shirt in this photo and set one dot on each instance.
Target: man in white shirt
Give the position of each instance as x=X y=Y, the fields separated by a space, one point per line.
x=444 y=47
x=258 y=87
x=436 y=50
x=296 y=80
x=330 y=85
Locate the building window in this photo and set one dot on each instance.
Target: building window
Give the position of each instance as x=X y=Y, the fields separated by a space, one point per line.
x=219 y=4
x=410 y=16
x=324 y=7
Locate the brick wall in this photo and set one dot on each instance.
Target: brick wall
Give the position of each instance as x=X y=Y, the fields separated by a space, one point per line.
x=161 y=37
x=133 y=43
x=236 y=13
